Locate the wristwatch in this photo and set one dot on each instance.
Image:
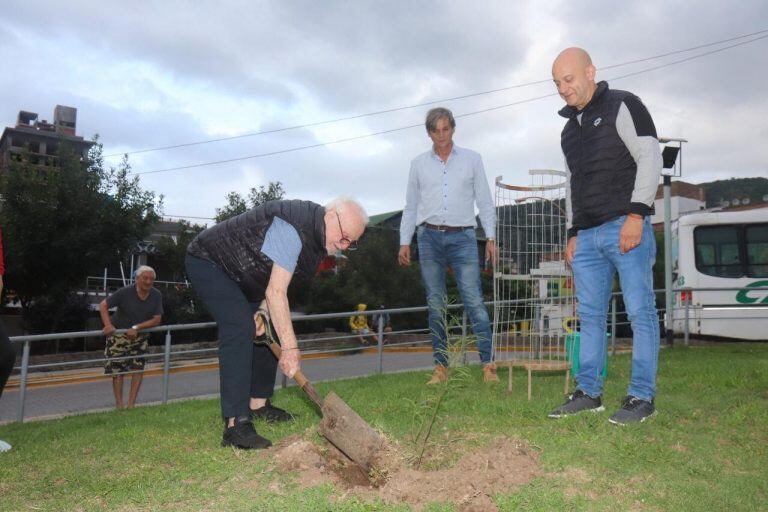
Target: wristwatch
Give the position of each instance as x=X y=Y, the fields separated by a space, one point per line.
x=135 y=327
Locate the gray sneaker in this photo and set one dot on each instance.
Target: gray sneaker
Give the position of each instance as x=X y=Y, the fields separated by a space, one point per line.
x=633 y=410
x=578 y=402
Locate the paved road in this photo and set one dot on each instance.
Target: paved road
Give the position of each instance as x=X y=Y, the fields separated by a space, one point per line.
x=63 y=399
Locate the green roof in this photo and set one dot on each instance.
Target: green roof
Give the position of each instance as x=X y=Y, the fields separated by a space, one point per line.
x=381 y=217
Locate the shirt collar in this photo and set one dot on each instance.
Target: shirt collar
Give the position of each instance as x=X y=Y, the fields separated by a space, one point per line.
x=452 y=153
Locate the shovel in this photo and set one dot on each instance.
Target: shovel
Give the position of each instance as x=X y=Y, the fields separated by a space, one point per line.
x=342 y=426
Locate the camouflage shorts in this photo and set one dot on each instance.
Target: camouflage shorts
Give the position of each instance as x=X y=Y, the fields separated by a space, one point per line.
x=121 y=345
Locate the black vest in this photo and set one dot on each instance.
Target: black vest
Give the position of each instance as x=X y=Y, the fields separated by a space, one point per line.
x=234 y=245
x=602 y=168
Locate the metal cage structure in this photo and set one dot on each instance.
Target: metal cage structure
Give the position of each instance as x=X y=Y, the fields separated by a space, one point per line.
x=534 y=302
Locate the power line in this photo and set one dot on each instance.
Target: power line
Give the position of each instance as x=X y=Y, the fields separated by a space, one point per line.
x=468 y=114
x=424 y=104
x=173 y=216
x=693 y=57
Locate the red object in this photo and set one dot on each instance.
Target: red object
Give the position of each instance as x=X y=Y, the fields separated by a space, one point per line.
x=328 y=263
x=2 y=264
x=686 y=295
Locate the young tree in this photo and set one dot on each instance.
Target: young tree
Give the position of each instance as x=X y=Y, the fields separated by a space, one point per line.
x=58 y=222
x=256 y=197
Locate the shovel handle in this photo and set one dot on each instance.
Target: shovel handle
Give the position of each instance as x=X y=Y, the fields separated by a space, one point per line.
x=299 y=377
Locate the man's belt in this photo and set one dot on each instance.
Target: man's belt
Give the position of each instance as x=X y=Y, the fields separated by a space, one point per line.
x=447 y=229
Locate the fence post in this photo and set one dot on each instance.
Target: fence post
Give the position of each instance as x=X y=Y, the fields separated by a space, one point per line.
x=688 y=295
x=613 y=325
x=166 y=365
x=380 y=341
x=23 y=383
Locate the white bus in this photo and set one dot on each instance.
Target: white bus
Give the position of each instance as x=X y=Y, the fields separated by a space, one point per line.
x=722 y=250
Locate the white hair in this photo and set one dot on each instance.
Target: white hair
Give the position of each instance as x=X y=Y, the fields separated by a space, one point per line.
x=345 y=204
x=144 y=268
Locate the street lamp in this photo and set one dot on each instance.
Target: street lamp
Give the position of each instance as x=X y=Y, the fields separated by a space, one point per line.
x=672 y=148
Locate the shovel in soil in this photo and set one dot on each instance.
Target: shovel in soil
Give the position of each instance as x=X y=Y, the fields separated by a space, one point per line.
x=342 y=426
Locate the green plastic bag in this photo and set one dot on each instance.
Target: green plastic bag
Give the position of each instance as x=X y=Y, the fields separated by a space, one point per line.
x=572 y=344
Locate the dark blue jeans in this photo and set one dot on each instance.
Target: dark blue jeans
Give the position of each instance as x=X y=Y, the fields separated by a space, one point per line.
x=596 y=261
x=245 y=369
x=437 y=251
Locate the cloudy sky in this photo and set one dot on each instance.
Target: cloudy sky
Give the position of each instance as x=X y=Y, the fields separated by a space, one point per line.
x=147 y=74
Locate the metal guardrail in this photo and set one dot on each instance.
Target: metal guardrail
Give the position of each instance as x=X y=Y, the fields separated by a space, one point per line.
x=378 y=334
x=167 y=353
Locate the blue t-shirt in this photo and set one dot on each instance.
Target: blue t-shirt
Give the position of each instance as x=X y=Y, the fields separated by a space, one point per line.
x=282 y=244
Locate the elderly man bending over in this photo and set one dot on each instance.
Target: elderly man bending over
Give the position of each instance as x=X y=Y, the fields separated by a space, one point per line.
x=237 y=264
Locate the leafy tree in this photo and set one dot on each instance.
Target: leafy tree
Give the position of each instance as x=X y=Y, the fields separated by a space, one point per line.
x=58 y=222
x=272 y=192
x=181 y=305
x=371 y=276
x=236 y=204
x=168 y=259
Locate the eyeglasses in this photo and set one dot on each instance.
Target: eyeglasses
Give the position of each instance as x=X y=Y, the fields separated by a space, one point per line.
x=351 y=244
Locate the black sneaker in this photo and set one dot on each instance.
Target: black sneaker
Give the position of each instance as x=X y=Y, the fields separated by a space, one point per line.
x=271 y=413
x=578 y=402
x=242 y=435
x=633 y=410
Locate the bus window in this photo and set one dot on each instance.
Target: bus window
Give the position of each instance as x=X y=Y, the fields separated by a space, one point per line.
x=717 y=251
x=756 y=237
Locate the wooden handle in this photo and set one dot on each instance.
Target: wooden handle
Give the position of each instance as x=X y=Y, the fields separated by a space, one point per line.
x=299 y=377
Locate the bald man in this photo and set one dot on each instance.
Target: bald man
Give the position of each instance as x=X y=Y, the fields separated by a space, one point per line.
x=613 y=162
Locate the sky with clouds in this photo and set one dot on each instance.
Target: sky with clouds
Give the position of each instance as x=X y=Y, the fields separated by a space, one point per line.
x=146 y=74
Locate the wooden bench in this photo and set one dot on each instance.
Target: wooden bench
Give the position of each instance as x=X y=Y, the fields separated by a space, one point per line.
x=537 y=366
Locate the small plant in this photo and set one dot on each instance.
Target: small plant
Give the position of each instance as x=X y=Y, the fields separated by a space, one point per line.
x=427 y=413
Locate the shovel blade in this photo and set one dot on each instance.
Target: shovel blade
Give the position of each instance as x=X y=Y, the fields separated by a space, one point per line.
x=350 y=433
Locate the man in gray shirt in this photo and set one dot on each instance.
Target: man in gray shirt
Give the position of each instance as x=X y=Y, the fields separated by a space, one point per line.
x=444 y=185
x=139 y=306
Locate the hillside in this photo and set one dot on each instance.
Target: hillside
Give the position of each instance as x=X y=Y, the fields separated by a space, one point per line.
x=754 y=189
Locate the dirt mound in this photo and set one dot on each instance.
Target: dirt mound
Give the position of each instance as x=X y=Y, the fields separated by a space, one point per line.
x=316 y=465
x=470 y=484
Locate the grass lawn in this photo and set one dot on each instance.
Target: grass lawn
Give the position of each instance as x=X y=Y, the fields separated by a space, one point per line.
x=705 y=450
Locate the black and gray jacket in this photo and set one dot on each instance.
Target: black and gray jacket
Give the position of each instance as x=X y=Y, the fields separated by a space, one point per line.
x=612 y=157
x=234 y=245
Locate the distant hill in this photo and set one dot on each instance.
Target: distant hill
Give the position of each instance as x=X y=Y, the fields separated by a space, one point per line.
x=754 y=189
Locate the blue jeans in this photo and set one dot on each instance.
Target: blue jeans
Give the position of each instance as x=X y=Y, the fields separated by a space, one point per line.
x=437 y=251
x=596 y=261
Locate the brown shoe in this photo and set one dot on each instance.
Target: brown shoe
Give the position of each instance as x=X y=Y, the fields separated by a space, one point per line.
x=439 y=375
x=489 y=374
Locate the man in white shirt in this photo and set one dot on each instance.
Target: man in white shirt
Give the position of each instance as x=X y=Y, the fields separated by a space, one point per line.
x=444 y=185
